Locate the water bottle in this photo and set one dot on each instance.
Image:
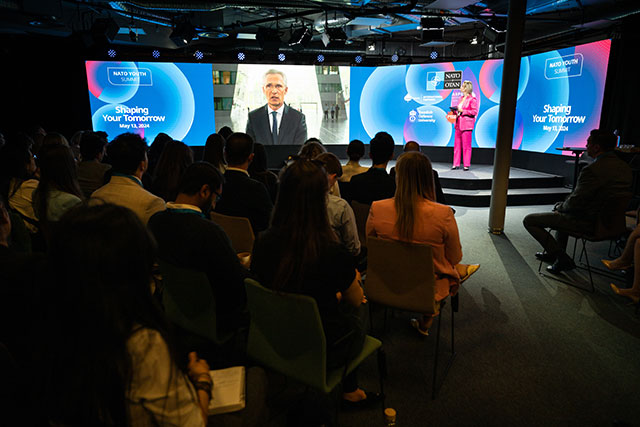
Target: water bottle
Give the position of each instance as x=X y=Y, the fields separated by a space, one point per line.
x=389 y=417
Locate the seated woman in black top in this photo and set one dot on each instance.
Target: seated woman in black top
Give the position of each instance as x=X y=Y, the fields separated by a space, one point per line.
x=299 y=253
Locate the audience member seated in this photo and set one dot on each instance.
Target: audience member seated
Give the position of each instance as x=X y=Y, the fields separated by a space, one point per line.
x=355 y=151
x=375 y=184
x=606 y=177
x=107 y=357
x=299 y=253
x=341 y=217
x=74 y=144
x=153 y=155
x=311 y=149
x=35 y=133
x=174 y=160
x=258 y=171
x=128 y=156
x=91 y=170
x=214 y=151
x=630 y=258
x=58 y=189
x=243 y=196
x=414 y=146
x=414 y=216
x=225 y=132
x=188 y=238
x=53 y=138
x=19 y=180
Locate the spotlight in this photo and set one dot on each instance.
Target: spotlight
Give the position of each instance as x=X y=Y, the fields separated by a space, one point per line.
x=433 y=54
x=300 y=38
x=358 y=59
x=112 y=53
x=281 y=57
x=394 y=57
x=241 y=56
x=156 y=54
x=198 y=55
x=320 y=58
x=371 y=47
x=183 y=33
x=334 y=37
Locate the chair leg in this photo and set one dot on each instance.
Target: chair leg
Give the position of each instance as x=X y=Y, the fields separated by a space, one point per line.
x=437 y=385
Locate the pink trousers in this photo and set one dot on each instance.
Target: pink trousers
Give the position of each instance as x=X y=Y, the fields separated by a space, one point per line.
x=462 y=143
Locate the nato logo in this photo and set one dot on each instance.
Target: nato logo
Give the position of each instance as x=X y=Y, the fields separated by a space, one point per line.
x=444 y=80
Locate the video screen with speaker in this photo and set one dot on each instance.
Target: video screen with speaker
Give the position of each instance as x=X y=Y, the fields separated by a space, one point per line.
x=559 y=99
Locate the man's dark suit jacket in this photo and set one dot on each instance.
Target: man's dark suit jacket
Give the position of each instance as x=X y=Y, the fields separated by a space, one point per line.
x=292 y=130
x=245 y=197
x=191 y=241
x=374 y=184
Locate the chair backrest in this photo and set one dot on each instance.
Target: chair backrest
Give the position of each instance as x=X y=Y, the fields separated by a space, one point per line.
x=189 y=301
x=238 y=229
x=286 y=334
x=361 y=212
x=401 y=275
x=612 y=221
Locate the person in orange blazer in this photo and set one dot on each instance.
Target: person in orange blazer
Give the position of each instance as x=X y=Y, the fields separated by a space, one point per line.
x=412 y=215
x=465 y=121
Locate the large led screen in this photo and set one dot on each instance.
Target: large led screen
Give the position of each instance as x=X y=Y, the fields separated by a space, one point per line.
x=559 y=99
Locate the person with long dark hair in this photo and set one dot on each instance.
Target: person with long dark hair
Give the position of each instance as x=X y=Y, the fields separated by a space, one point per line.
x=300 y=253
x=174 y=160
x=214 y=151
x=258 y=170
x=58 y=190
x=18 y=180
x=107 y=353
x=413 y=215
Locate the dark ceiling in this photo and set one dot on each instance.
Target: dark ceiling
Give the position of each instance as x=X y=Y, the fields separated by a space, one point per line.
x=375 y=28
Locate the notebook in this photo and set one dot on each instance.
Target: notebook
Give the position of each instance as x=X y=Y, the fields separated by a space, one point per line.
x=228 y=392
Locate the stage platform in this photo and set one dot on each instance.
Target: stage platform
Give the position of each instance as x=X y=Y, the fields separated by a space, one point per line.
x=472 y=188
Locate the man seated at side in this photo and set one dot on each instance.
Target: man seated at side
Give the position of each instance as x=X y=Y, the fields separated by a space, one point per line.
x=606 y=178
x=243 y=196
x=375 y=184
x=189 y=239
x=128 y=156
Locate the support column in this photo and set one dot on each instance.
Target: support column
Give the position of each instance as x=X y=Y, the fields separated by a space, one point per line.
x=506 y=116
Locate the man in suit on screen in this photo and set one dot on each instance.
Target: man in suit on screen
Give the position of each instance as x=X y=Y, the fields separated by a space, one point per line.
x=275 y=123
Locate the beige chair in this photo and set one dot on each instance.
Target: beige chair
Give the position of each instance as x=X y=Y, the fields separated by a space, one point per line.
x=401 y=275
x=361 y=212
x=238 y=229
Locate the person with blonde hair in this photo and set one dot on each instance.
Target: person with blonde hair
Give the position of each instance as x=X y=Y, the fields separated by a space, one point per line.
x=466 y=113
x=414 y=216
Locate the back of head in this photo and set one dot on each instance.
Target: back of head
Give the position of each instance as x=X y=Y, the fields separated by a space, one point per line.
x=54 y=138
x=300 y=213
x=605 y=139
x=331 y=163
x=225 y=132
x=381 y=148
x=414 y=182
x=158 y=144
x=214 y=150
x=199 y=174
x=91 y=145
x=101 y=258
x=355 y=150
x=311 y=149
x=173 y=161
x=126 y=152
x=259 y=163
x=238 y=148
x=411 y=146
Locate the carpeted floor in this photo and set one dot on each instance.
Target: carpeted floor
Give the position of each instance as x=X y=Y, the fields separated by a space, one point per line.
x=530 y=351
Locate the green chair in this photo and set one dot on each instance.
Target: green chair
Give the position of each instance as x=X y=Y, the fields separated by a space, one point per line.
x=190 y=304
x=286 y=335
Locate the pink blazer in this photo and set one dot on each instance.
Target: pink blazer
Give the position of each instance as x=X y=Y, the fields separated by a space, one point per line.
x=436 y=226
x=467 y=119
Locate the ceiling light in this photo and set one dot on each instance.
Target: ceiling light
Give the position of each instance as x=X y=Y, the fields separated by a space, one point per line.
x=241 y=56
x=433 y=54
x=358 y=59
x=198 y=55
x=394 y=57
x=111 y=53
x=281 y=57
x=371 y=47
x=156 y=54
x=320 y=58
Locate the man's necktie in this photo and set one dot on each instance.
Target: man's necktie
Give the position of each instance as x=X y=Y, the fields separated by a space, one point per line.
x=274 y=128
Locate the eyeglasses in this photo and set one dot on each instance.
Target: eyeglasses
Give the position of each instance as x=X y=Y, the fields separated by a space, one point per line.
x=218 y=196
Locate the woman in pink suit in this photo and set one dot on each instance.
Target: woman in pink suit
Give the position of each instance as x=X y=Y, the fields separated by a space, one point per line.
x=465 y=120
x=414 y=216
